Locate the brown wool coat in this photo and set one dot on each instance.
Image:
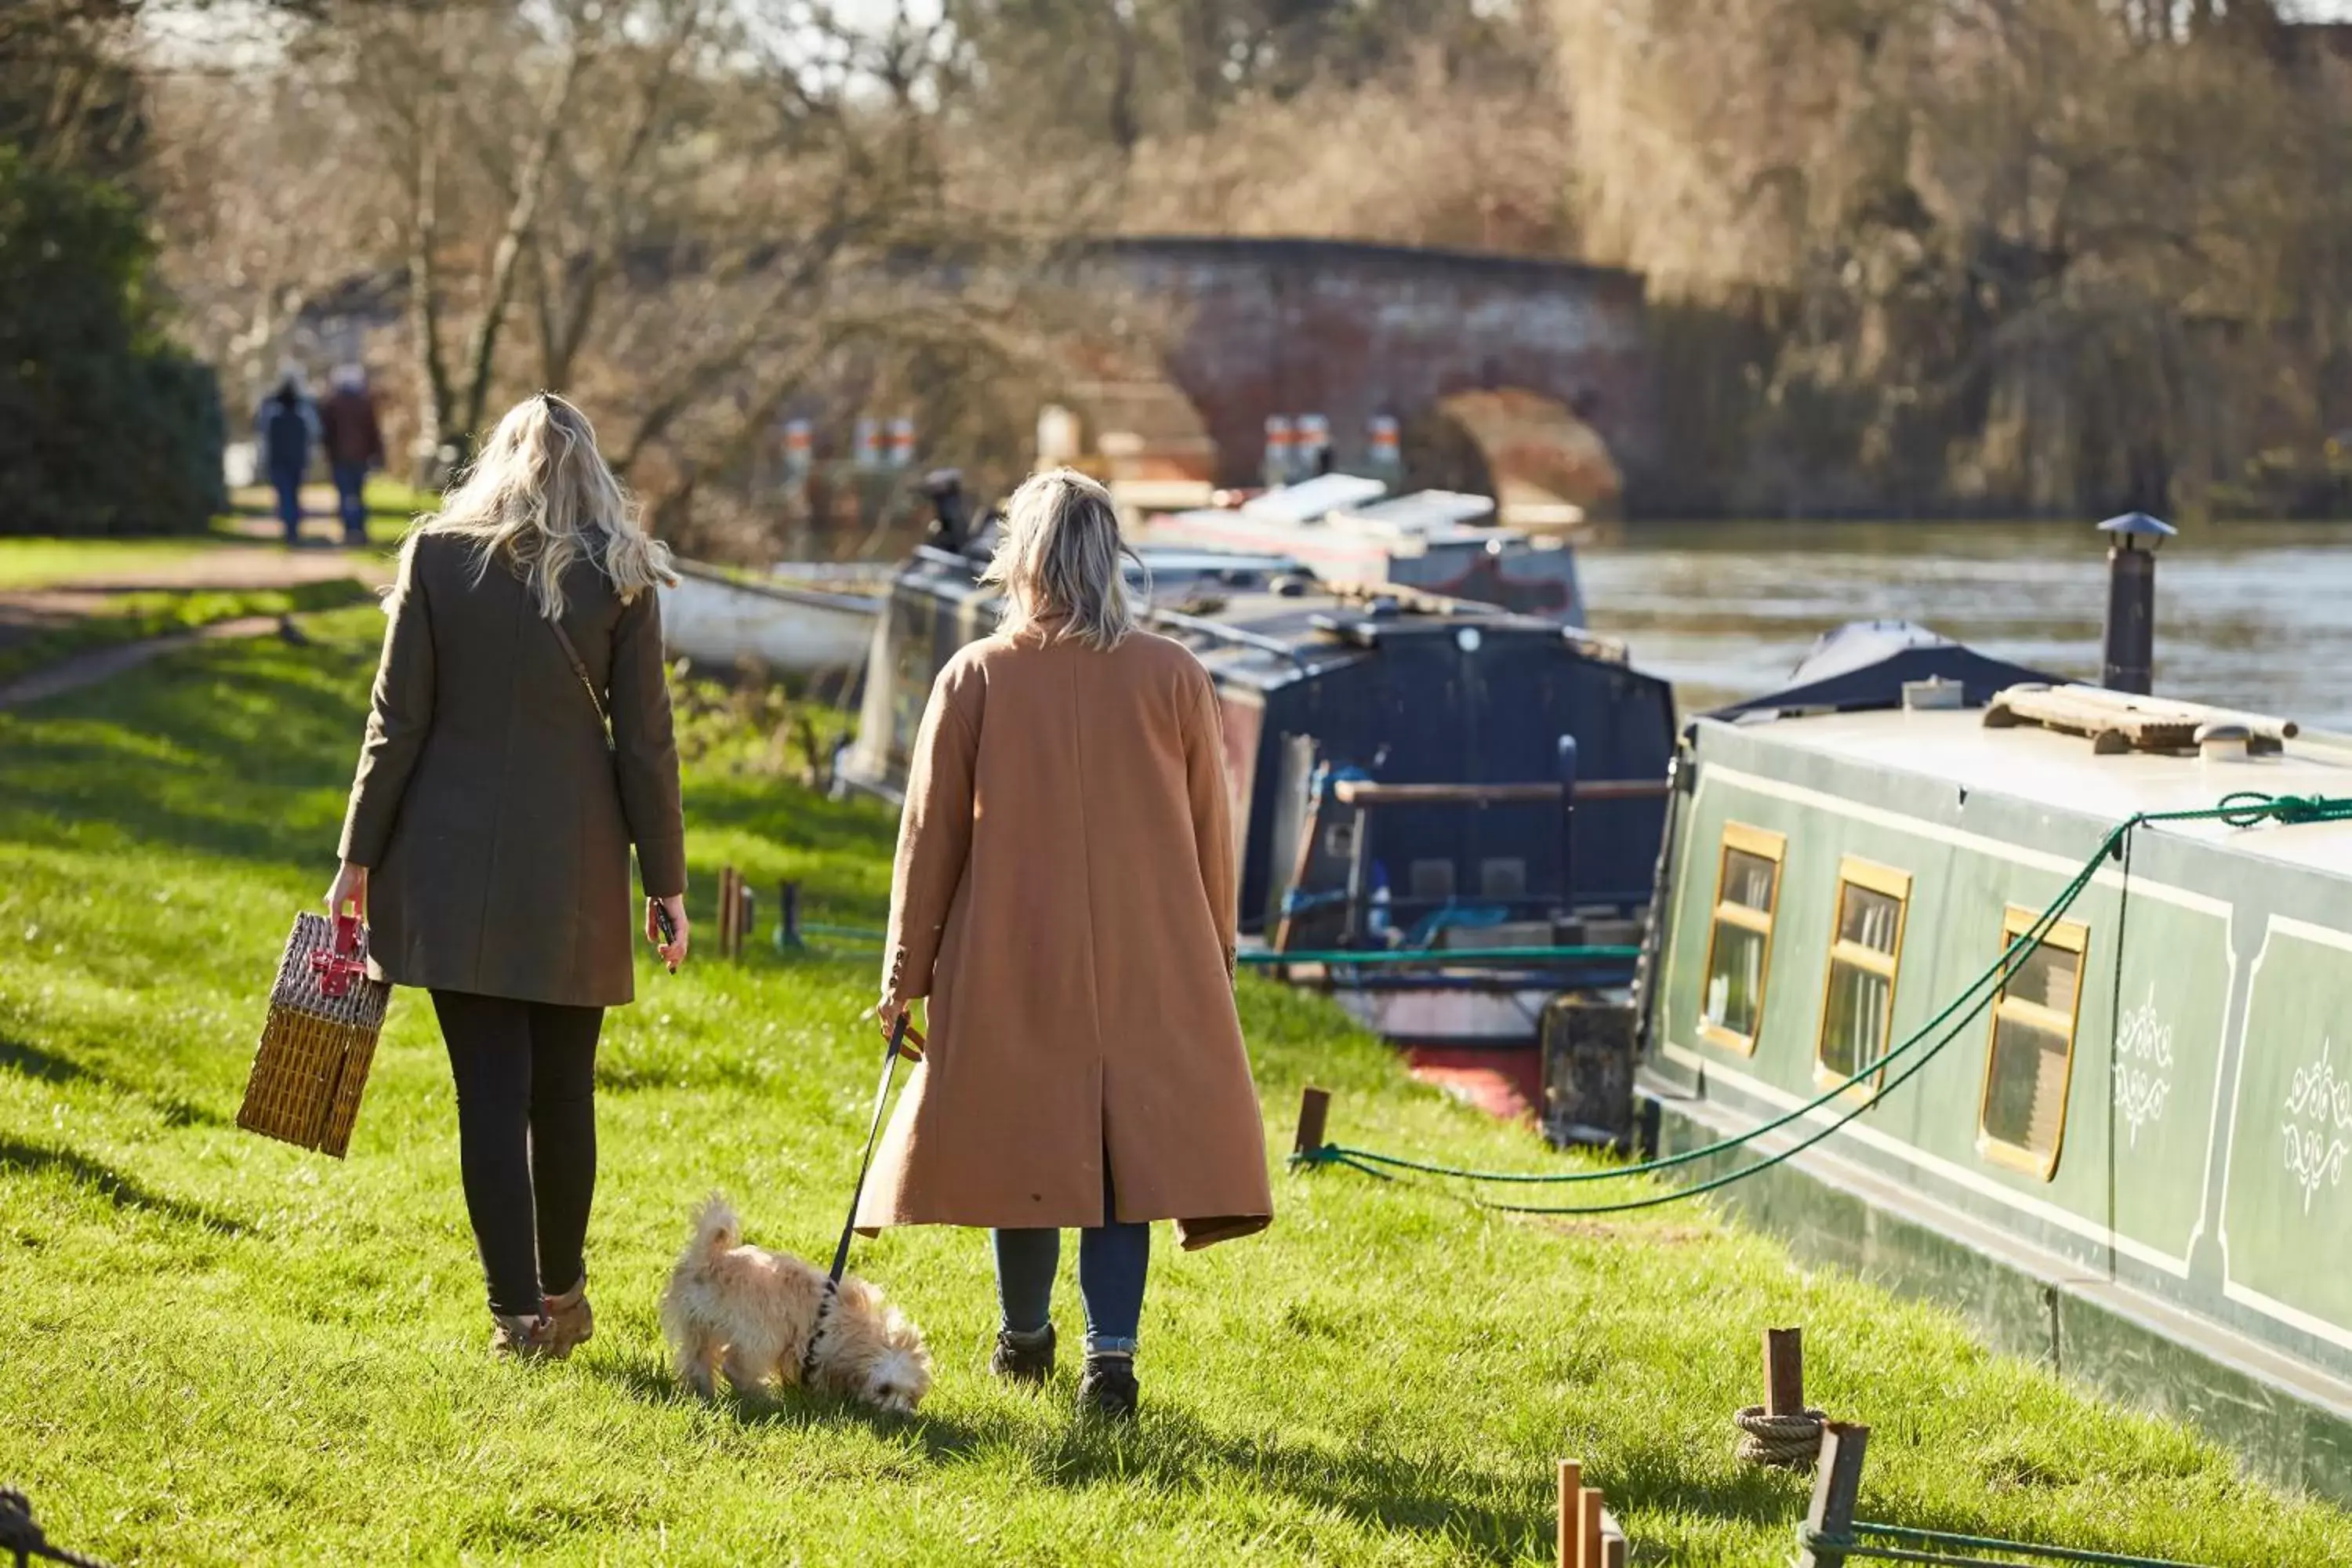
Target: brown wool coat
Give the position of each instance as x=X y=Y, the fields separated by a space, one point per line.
x=1064 y=898
x=495 y=823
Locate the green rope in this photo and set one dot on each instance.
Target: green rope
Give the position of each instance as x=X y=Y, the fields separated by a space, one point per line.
x=2241 y=809
x=852 y=933
x=1806 y=1536
x=1447 y=955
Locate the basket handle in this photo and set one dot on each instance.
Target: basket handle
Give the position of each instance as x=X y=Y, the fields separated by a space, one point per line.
x=336 y=969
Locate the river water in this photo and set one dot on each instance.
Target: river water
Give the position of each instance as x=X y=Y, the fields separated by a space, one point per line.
x=2250 y=615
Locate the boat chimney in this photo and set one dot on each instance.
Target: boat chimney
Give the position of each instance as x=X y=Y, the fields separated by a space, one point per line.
x=2130 y=651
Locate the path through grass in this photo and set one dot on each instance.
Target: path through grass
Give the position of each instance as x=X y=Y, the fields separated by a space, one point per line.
x=47 y=562
x=217 y=1349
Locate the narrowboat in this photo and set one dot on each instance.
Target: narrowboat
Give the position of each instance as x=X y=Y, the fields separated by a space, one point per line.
x=2125 y=1154
x=1409 y=772
x=721 y=618
x=1347 y=529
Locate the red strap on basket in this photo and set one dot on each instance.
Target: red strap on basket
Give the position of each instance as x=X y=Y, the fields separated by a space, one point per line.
x=337 y=970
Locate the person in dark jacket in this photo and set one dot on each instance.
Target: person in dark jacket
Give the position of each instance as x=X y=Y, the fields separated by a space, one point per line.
x=287 y=428
x=488 y=831
x=354 y=445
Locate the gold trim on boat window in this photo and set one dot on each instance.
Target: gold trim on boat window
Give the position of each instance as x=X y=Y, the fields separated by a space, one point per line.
x=1751 y=926
x=1867 y=961
x=2037 y=1153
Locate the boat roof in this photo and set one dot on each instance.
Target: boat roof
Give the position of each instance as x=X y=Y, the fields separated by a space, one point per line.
x=1866 y=664
x=1282 y=637
x=1435 y=513
x=1309 y=499
x=2062 y=770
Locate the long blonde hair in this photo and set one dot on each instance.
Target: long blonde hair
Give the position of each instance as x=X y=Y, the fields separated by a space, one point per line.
x=1057 y=556
x=539 y=497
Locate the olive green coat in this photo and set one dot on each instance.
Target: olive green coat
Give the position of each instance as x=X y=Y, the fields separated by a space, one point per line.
x=1065 y=898
x=495 y=823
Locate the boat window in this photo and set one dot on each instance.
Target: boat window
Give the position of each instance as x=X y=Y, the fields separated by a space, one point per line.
x=1866 y=947
x=1739 y=945
x=2022 y=1119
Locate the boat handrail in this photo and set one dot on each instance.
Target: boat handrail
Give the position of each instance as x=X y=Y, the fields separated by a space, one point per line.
x=811 y=598
x=1234 y=635
x=1371 y=791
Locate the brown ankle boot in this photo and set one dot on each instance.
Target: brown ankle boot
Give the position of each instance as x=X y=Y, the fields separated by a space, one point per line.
x=575 y=1324
x=523 y=1338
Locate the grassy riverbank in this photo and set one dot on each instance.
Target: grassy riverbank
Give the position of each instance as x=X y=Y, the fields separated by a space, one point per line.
x=216 y=1349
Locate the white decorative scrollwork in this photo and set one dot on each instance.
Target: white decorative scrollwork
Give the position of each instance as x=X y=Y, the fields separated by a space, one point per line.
x=2319 y=1121
x=2143 y=1066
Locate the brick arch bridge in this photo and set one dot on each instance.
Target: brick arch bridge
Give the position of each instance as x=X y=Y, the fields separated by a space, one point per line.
x=1350 y=330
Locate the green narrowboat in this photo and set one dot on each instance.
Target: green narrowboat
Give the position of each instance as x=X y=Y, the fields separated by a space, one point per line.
x=2125 y=1151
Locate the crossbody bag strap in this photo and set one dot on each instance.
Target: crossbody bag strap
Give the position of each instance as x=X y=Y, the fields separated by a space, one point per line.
x=580 y=668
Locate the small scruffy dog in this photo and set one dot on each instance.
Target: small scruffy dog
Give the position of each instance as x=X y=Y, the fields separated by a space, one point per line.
x=751 y=1312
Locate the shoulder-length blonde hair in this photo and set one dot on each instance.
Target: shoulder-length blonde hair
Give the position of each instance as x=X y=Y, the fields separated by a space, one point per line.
x=539 y=497
x=1057 y=560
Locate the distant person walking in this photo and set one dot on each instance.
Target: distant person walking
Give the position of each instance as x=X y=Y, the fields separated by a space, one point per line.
x=355 y=447
x=287 y=428
x=1064 y=896
x=488 y=831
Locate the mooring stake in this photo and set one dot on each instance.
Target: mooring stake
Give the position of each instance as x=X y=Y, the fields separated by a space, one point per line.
x=1589 y=1535
x=730 y=912
x=1314 y=1111
x=1784 y=1372
x=788 y=917
x=1828 y=1522
x=1571 y=1487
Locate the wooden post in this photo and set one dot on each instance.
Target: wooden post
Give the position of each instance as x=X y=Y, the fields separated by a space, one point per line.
x=788 y=917
x=1571 y=1487
x=726 y=902
x=1612 y=1541
x=1835 y=1486
x=1784 y=1372
x=749 y=921
x=1314 y=1108
x=1588 y=1528
x=730 y=912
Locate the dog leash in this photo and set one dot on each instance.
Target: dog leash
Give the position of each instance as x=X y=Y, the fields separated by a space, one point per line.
x=901 y=1034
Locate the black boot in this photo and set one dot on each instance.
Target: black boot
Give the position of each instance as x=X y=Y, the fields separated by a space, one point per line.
x=1023 y=1358
x=1108 y=1386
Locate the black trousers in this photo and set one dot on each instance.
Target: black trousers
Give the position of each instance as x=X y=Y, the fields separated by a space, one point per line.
x=526 y=1075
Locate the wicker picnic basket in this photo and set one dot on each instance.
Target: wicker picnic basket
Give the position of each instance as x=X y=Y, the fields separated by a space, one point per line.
x=324 y=1016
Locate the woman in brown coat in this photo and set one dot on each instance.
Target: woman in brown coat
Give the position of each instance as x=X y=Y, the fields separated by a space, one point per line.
x=1064 y=898
x=489 y=832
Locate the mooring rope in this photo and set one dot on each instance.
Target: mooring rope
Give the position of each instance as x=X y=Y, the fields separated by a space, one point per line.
x=1925 y=1542
x=1790 y=1440
x=2241 y=809
x=22 y=1539
x=1999 y=971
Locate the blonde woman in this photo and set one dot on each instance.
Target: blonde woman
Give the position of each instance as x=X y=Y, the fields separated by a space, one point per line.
x=488 y=831
x=1064 y=897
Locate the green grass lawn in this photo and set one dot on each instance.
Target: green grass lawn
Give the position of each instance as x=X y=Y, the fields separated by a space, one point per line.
x=214 y=1349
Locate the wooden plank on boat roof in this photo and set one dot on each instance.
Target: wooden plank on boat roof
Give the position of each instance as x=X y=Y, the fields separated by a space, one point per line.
x=2262 y=724
x=2119 y=721
x=2083 y=710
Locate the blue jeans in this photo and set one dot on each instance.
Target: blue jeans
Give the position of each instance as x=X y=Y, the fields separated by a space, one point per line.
x=289 y=500
x=1112 y=1260
x=351 y=495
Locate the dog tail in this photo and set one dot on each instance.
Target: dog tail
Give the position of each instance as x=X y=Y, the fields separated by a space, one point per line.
x=716 y=1228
